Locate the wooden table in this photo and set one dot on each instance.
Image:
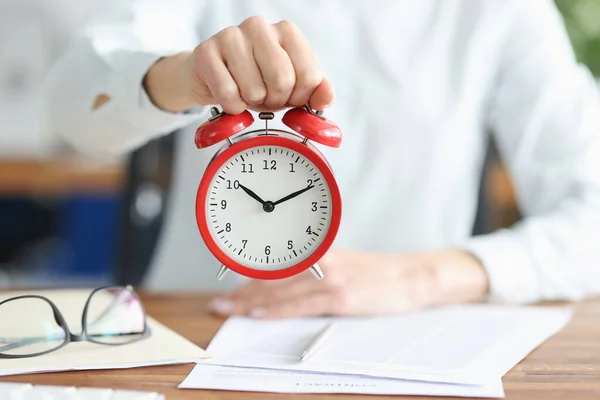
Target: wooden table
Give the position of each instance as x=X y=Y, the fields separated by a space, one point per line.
x=566 y=367
x=58 y=176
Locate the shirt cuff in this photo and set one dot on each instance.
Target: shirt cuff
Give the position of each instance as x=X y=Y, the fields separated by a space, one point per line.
x=133 y=100
x=512 y=279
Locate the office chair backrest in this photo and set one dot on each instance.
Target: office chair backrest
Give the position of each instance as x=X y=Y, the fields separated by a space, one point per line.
x=144 y=205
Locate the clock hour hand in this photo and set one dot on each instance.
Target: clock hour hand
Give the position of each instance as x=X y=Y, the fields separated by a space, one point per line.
x=252 y=194
x=295 y=194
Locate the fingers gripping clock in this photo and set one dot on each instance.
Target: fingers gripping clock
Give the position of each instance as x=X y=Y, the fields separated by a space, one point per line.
x=268 y=205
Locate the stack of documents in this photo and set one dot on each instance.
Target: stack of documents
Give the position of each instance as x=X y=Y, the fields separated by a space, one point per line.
x=447 y=351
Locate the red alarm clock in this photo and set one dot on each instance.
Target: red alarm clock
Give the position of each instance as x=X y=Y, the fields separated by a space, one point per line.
x=268 y=205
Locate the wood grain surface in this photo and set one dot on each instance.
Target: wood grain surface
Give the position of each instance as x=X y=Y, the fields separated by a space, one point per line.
x=567 y=366
x=58 y=177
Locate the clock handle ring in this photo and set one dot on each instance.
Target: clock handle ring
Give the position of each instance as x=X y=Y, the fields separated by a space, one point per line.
x=318 y=113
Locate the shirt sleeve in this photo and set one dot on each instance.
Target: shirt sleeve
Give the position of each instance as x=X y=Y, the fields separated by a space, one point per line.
x=545 y=116
x=110 y=57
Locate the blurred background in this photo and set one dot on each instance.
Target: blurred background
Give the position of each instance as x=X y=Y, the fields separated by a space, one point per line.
x=65 y=221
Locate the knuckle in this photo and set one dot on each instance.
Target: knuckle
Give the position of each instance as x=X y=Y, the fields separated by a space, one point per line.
x=204 y=49
x=282 y=81
x=287 y=26
x=309 y=79
x=255 y=95
x=233 y=108
x=230 y=34
x=226 y=92
x=255 y=22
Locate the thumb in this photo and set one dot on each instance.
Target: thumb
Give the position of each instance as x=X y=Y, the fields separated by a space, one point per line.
x=323 y=96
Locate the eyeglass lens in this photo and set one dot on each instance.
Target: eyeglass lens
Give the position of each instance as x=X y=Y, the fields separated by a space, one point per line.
x=114 y=316
x=28 y=326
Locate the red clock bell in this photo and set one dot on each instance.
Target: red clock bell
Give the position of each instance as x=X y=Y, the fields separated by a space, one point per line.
x=268 y=205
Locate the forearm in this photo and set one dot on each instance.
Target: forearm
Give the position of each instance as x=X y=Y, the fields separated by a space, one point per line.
x=94 y=95
x=460 y=277
x=167 y=83
x=555 y=256
x=445 y=277
x=98 y=104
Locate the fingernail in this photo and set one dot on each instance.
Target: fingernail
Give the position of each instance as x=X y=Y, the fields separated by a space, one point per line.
x=221 y=306
x=257 y=312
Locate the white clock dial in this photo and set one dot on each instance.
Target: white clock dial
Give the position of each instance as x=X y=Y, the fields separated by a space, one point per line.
x=268 y=207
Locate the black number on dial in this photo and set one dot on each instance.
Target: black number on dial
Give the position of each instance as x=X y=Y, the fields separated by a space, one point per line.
x=309 y=181
x=314 y=206
x=290 y=244
x=292 y=167
x=228 y=227
x=236 y=184
x=308 y=230
x=268 y=250
x=273 y=164
x=247 y=169
x=244 y=242
x=223 y=204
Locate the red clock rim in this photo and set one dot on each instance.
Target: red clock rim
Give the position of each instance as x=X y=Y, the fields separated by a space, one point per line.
x=336 y=207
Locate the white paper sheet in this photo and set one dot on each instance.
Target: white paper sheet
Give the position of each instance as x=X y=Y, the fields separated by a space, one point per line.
x=162 y=347
x=216 y=377
x=468 y=344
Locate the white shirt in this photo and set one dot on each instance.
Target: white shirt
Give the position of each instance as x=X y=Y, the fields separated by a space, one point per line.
x=420 y=86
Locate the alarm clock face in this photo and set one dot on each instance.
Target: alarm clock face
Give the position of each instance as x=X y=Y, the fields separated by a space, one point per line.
x=269 y=205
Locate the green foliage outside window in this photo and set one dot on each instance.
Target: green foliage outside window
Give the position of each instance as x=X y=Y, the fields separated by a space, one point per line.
x=582 y=19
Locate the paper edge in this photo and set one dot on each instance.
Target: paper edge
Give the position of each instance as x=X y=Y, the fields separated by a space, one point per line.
x=184 y=385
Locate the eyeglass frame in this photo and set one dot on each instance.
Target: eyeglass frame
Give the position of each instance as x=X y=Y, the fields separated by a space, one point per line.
x=70 y=337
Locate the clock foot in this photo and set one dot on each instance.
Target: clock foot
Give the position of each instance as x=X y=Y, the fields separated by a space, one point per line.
x=222 y=272
x=316 y=271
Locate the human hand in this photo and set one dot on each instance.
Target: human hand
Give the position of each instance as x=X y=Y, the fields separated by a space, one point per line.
x=359 y=283
x=256 y=65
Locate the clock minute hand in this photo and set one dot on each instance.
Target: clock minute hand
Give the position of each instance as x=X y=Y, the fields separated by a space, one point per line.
x=252 y=194
x=291 y=196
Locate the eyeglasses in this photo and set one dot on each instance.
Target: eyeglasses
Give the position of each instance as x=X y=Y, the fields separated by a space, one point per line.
x=32 y=325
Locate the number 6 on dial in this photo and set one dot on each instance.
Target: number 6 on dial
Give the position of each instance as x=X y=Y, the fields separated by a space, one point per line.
x=268 y=205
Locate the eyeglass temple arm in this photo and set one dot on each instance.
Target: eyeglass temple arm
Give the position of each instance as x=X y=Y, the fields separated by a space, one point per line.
x=75 y=338
x=40 y=339
x=57 y=318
